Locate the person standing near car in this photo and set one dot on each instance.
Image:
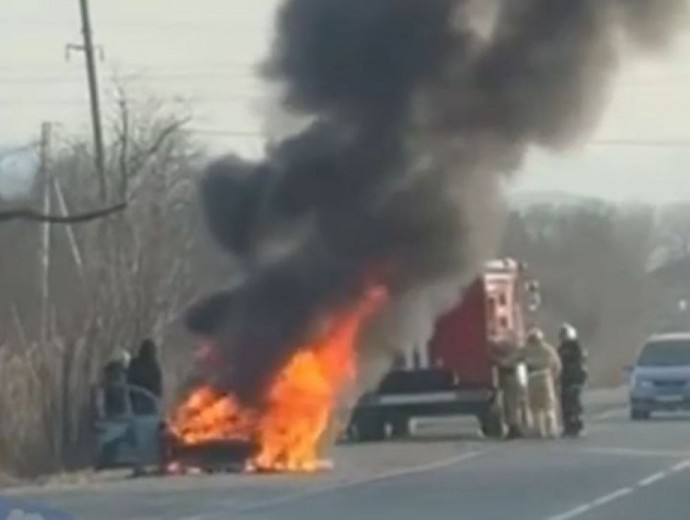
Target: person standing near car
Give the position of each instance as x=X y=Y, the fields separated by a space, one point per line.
x=144 y=371
x=573 y=378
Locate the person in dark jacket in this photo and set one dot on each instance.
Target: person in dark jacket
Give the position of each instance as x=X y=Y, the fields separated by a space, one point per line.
x=573 y=378
x=109 y=395
x=144 y=370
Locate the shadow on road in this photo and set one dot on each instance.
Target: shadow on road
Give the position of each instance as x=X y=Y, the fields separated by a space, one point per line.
x=429 y=438
x=666 y=419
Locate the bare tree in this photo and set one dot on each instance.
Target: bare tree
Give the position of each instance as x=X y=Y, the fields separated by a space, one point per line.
x=675 y=238
x=113 y=282
x=592 y=261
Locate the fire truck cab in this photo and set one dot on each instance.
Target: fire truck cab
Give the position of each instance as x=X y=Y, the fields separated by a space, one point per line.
x=460 y=370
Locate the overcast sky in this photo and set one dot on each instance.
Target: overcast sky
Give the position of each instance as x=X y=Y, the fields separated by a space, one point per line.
x=205 y=52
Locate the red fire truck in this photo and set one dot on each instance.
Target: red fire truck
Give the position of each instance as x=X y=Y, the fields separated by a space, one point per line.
x=459 y=371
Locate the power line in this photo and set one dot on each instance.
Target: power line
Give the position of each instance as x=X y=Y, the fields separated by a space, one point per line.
x=252 y=75
x=658 y=143
x=662 y=143
x=224 y=25
x=176 y=66
x=240 y=97
x=227 y=133
x=230 y=132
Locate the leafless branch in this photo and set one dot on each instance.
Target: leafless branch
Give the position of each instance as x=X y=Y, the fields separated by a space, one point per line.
x=143 y=155
x=36 y=216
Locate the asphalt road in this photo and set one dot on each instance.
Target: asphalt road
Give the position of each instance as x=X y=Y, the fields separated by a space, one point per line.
x=620 y=470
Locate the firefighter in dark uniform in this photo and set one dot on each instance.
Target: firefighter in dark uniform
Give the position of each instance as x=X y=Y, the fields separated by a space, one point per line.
x=573 y=379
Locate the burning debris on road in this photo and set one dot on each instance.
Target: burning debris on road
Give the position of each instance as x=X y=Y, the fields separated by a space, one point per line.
x=417 y=110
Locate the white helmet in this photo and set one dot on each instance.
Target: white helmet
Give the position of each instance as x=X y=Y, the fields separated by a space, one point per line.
x=125 y=358
x=568 y=332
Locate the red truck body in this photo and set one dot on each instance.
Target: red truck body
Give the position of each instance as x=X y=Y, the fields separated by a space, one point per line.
x=456 y=371
x=490 y=312
x=460 y=342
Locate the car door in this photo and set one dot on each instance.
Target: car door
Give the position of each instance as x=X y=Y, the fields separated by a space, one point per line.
x=132 y=435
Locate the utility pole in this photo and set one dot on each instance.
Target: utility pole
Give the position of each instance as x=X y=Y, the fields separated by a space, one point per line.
x=44 y=173
x=88 y=49
x=74 y=245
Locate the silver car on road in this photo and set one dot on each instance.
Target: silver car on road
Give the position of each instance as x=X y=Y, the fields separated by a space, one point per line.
x=660 y=378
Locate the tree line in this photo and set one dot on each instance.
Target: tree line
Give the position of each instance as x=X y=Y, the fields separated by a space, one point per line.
x=600 y=268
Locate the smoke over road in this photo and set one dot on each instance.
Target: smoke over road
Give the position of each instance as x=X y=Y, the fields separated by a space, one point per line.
x=418 y=111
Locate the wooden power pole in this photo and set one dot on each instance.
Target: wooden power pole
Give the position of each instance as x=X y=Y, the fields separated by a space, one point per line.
x=44 y=173
x=93 y=96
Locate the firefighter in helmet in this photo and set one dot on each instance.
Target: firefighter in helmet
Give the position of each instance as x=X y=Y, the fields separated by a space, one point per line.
x=573 y=379
x=544 y=367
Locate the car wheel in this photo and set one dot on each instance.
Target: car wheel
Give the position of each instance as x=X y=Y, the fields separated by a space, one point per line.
x=400 y=426
x=491 y=423
x=369 y=426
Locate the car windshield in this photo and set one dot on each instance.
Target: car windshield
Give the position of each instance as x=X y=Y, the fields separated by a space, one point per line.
x=665 y=353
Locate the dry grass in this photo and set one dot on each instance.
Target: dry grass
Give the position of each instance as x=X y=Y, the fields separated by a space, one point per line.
x=36 y=426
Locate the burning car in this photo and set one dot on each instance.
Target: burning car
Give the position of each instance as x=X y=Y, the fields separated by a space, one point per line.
x=282 y=431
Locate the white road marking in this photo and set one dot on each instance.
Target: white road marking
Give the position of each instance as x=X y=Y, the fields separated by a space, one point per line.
x=611 y=497
x=629 y=452
x=414 y=470
x=681 y=466
x=599 y=502
x=622 y=492
x=578 y=511
x=656 y=477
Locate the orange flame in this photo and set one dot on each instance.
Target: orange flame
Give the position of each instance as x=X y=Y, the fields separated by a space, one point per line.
x=298 y=406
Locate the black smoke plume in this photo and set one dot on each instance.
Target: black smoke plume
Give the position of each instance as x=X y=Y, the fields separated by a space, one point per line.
x=417 y=110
